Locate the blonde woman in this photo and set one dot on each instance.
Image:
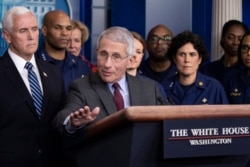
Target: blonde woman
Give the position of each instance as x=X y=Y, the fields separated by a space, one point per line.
x=79 y=35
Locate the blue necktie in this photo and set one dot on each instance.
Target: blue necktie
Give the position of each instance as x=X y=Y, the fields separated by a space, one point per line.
x=119 y=102
x=35 y=88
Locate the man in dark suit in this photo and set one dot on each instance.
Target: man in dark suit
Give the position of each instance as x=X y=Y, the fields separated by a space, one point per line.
x=27 y=138
x=92 y=97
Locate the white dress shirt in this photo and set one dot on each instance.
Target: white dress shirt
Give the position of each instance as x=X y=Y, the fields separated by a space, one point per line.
x=20 y=63
x=123 y=90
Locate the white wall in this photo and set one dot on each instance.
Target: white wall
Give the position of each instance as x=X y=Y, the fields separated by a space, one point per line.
x=175 y=14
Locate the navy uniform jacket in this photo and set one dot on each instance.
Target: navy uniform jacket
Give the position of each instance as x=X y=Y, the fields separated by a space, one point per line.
x=72 y=67
x=205 y=90
x=237 y=87
x=160 y=77
x=216 y=69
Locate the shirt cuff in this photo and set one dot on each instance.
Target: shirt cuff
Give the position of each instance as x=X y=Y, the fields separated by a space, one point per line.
x=69 y=127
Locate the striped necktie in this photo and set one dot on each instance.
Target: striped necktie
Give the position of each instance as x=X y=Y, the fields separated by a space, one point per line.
x=35 y=89
x=119 y=102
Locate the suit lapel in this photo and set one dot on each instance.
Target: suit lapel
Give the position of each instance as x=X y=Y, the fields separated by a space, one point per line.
x=44 y=79
x=104 y=93
x=134 y=91
x=14 y=77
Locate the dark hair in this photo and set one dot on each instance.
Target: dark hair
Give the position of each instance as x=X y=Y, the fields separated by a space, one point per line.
x=239 y=49
x=184 y=38
x=226 y=27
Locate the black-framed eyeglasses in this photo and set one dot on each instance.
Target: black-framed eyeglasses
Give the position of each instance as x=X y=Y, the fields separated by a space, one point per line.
x=115 y=58
x=165 y=39
x=244 y=48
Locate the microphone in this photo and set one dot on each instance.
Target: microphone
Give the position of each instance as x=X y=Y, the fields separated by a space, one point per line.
x=159 y=99
x=164 y=101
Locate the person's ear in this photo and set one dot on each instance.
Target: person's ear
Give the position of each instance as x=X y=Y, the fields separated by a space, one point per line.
x=222 y=43
x=200 y=59
x=6 y=36
x=174 y=59
x=131 y=61
x=44 y=31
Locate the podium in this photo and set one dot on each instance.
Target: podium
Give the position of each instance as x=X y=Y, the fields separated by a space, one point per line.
x=133 y=137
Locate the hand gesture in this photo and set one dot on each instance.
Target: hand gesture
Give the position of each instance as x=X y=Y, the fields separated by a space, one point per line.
x=83 y=116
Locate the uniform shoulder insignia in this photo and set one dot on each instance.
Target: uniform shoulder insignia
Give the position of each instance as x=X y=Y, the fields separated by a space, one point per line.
x=204 y=100
x=235 y=92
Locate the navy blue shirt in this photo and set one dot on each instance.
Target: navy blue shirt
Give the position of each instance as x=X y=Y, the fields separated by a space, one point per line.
x=205 y=90
x=237 y=87
x=72 y=67
x=216 y=69
x=160 y=77
x=163 y=101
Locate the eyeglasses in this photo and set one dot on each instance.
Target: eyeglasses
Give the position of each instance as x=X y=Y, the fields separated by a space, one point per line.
x=165 y=39
x=244 y=48
x=116 y=58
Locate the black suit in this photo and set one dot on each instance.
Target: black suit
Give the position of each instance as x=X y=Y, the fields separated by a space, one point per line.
x=26 y=141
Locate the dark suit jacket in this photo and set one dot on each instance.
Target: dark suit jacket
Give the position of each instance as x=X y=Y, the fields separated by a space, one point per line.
x=26 y=141
x=92 y=91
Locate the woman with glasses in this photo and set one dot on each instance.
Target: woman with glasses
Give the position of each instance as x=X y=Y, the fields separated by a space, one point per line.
x=237 y=85
x=189 y=86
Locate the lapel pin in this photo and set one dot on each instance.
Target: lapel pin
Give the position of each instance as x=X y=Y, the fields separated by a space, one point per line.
x=45 y=74
x=204 y=100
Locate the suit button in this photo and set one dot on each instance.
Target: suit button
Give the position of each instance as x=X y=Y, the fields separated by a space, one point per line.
x=39 y=151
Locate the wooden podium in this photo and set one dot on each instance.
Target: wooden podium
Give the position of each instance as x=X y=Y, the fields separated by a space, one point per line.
x=133 y=137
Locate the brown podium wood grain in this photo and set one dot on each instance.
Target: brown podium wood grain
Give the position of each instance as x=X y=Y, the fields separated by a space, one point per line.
x=160 y=113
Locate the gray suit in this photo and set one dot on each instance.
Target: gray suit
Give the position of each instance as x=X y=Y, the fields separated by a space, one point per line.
x=92 y=91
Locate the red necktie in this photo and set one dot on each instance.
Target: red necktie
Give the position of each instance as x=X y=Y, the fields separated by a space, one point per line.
x=118 y=97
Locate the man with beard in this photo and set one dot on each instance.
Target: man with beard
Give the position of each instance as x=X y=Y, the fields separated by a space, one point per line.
x=157 y=66
x=57 y=30
x=232 y=33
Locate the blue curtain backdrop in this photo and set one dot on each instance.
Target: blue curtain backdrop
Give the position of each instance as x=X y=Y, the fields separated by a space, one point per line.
x=202 y=20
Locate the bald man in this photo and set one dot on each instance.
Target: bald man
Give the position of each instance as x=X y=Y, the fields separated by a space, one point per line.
x=57 y=30
x=157 y=66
